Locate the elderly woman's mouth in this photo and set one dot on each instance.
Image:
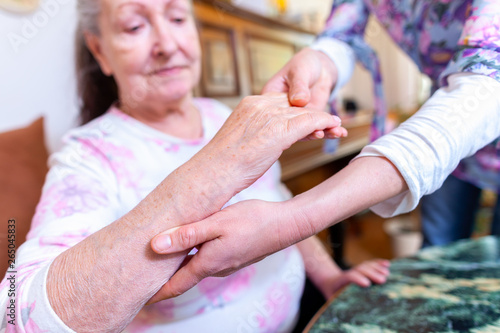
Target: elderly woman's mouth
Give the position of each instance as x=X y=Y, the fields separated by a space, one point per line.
x=168 y=71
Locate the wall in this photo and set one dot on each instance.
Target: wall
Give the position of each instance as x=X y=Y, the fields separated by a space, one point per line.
x=312 y=12
x=36 y=68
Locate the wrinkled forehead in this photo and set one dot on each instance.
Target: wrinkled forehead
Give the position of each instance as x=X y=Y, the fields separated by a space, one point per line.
x=114 y=7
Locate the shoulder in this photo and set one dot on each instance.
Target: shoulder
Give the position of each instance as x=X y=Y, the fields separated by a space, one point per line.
x=88 y=140
x=99 y=126
x=94 y=132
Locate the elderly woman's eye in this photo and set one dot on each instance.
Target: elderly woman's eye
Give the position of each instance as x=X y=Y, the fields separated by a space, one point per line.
x=178 y=19
x=134 y=28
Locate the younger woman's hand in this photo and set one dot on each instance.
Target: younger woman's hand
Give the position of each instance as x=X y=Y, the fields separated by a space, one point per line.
x=233 y=238
x=308 y=79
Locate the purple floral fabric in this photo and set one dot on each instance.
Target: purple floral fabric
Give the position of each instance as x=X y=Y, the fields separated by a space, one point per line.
x=442 y=37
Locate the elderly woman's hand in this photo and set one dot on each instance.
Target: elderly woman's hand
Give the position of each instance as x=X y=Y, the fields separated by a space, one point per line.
x=259 y=130
x=368 y=272
x=308 y=79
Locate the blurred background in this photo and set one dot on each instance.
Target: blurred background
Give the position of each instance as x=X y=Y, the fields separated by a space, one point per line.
x=244 y=43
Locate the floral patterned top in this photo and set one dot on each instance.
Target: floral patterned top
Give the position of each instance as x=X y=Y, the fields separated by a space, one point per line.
x=105 y=168
x=442 y=37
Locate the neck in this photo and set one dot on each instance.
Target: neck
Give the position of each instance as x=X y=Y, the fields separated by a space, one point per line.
x=180 y=118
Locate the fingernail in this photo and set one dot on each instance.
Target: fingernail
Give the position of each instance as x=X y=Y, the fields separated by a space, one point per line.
x=299 y=96
x=163 y=243
x=338 y=119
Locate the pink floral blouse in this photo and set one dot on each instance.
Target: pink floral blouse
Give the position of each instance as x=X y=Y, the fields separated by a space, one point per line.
x=105 y=168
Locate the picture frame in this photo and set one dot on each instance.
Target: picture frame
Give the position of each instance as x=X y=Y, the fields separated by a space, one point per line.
x=219 y=76
x=19 y=6
x=266 y=57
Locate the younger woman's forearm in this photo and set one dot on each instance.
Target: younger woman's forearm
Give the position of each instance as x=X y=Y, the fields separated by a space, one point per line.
x=363 y=183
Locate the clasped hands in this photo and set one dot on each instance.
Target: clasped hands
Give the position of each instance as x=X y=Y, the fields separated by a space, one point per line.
x=250 y=141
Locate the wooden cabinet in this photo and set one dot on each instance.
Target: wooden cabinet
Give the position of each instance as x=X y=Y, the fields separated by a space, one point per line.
x=308 y=155
x=242 y=50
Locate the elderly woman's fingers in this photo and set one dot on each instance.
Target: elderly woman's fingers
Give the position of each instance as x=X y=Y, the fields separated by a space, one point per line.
x=311 y=122
x=335 y=133
x=358 y=278
x=381 y=265
x=259 y=130
x=374 y=276
x=316 y=135
x=329 y=133
x=374 y=271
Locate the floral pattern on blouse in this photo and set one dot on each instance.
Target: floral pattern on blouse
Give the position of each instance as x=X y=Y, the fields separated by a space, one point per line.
x=104 y=169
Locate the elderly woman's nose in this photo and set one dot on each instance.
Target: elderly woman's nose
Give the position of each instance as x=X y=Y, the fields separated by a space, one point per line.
x=164 y=41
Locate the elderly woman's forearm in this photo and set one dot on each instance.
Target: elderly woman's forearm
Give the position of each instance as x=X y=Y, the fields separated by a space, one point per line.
x=101 y=283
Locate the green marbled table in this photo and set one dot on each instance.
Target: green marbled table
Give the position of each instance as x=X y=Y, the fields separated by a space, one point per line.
x=455 y=288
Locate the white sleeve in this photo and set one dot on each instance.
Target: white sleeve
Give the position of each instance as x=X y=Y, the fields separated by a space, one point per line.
x=342 y=56
x=455 y=122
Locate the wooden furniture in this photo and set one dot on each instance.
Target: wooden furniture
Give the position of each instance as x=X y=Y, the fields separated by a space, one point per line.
x=455 y=288
x=308 y=155
x=242 y=48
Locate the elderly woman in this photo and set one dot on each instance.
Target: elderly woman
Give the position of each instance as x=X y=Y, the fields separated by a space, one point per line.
x=149 y=159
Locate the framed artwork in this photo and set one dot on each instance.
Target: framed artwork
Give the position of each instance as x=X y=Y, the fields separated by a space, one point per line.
x=266 y=57
x=19 y=6
x=219 y=68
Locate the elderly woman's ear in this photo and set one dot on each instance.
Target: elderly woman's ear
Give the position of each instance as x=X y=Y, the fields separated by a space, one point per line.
x=93 y=43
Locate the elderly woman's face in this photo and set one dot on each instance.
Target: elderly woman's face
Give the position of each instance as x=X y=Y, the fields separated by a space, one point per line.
x=151 y=48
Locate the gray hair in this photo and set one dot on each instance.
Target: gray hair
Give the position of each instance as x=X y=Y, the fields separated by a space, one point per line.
x=96 y=91
x=88 y=15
